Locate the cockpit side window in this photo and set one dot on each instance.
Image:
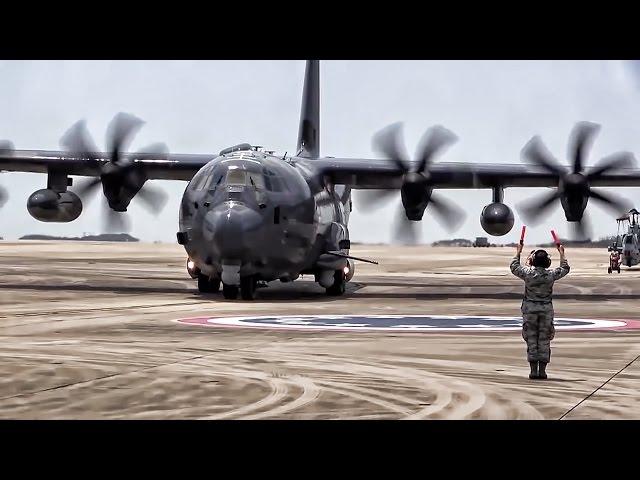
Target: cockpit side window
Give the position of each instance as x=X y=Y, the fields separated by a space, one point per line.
x=213 y=181
x=256 y=180
x=273 y=182
x=198 y=182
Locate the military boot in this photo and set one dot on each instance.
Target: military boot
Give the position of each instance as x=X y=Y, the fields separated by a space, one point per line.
x=542 y=373
x=534 y=370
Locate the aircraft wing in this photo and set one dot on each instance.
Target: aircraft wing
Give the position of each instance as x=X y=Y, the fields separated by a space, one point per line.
x=382 y=174
x=156 y=166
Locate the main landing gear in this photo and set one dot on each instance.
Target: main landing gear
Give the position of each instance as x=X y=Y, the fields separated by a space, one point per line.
x=339 y=284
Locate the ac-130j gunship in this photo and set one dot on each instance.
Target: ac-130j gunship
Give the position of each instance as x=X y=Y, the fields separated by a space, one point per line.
x=248 y=216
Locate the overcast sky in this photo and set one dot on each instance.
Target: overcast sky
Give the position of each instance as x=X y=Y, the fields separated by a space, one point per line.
x=494 y=107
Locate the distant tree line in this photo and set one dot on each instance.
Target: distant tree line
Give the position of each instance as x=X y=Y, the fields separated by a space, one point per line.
x=463 y=242
x=104 y=237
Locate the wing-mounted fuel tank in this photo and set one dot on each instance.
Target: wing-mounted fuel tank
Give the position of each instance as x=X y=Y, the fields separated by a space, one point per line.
x=49 y=206
x=497 y=218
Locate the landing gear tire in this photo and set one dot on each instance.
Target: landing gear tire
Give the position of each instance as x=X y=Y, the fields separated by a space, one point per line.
x=207 y=285
x=339 y=284
x=248 y=288
x=609 y=270
x=230 y=292
x=618 y=269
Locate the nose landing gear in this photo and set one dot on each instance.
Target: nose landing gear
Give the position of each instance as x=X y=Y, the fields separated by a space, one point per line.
x=230 y=292
x=248 y=287
x=208 y=285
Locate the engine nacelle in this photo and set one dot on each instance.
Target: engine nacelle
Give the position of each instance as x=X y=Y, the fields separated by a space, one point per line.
x=497 y=219
x=49 y=206
x=349 y=270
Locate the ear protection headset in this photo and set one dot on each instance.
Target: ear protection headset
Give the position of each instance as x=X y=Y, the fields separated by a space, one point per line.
x=540 y=258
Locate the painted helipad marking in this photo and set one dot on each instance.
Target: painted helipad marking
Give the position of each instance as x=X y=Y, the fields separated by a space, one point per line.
x=403 y=323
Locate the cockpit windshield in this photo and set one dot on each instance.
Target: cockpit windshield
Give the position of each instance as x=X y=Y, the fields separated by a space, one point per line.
x=237 y=179
x=243 y=178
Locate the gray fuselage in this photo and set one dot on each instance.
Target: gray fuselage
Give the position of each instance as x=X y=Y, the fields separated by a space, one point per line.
x=262 y=216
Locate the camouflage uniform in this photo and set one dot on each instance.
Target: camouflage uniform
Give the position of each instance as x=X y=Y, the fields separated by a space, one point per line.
x=537 y=308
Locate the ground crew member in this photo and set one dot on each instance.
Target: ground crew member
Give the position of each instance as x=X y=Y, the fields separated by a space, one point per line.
x=537 y=308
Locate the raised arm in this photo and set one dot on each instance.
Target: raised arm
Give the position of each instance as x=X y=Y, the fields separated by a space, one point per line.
x=564 y=268
x=517 y=269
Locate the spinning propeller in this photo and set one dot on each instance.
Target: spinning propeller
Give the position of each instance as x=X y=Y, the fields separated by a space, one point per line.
x=416 y=192
x=121 y=178
x=6 y=147
x=574 y=185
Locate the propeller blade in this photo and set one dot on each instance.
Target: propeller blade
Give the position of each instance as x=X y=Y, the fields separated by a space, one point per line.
x=120 y=132
x=4 y=196
x=114 y=222
x=389 y=142
x=153 y=199
x=78 y=139
x=369 y=200
x=581 y=139
x=435 y=140
x=5 y=147
x=405 y=231
x=160 y=149
x=86 y=188
x=346 y=194
x=536 y=152
x=581 y=230
x=615 y=204
x=612 y=162
x=448 y=214
x=531 y=210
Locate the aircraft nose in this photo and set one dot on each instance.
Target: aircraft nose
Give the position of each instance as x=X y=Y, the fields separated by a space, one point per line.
x=232 y=229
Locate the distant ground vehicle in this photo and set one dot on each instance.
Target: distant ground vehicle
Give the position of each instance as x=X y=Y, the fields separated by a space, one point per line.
x=627 y=245
x=481 y=242
x=614 y=262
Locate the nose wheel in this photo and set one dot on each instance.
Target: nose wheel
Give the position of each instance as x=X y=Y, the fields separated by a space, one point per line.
x=248 y=288
x=230 y=292
x=208 y=285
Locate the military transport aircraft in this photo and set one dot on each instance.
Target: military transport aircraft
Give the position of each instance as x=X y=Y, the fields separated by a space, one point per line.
x=248 y=216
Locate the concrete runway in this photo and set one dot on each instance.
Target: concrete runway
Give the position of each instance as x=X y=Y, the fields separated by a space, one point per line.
x=88 y=332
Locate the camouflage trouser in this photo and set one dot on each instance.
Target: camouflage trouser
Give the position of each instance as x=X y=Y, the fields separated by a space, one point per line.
x=538 y=331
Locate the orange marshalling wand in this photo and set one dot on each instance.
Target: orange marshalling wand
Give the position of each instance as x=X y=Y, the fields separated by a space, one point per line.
x=555 y=237
x=524 y=228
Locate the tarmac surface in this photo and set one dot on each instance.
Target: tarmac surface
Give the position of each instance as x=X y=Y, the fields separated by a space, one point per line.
x=91 y=331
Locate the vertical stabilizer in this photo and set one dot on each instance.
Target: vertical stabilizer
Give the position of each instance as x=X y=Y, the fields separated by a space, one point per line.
x=309 y=130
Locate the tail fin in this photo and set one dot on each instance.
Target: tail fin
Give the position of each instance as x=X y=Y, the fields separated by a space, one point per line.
x=309 y=132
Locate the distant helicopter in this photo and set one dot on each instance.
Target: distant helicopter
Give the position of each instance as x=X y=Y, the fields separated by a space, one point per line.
x=626 y=248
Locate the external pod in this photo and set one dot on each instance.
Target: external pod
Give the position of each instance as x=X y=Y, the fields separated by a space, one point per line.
x=497 y=219
x=49 y=206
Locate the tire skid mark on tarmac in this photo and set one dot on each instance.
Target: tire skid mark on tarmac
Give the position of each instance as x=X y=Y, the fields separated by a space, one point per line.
x=92 y=310
x=130 y=372
x=454 y=398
